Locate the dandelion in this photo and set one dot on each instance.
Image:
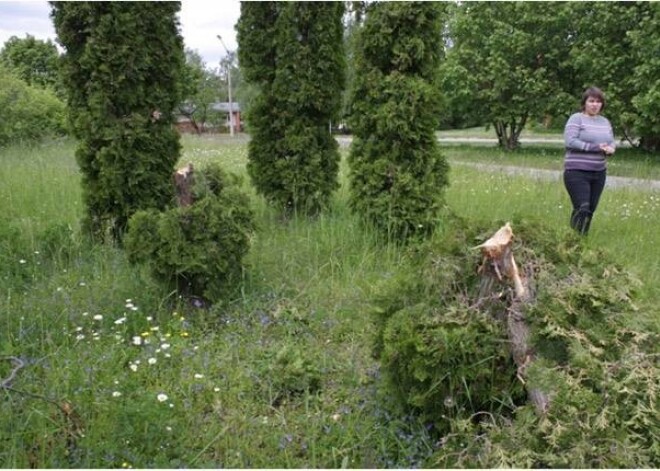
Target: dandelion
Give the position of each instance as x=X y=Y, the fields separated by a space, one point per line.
x=155 y=328
x=162 y=397
x=145 y=334
x=152 y=361
x=184 y=334
x=116 y=394
x=98 y=317
x=137 y=340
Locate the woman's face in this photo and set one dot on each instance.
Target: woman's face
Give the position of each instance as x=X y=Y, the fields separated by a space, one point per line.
x=592 y=106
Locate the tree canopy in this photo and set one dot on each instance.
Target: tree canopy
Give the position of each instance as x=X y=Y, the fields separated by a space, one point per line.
x=32 y=60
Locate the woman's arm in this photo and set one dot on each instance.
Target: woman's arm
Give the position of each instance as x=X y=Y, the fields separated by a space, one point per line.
x=572 y=136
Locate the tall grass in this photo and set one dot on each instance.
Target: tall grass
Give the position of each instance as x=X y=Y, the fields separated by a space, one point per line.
x=120 y=373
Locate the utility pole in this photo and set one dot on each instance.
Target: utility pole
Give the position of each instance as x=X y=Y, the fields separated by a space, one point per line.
x=231 y=111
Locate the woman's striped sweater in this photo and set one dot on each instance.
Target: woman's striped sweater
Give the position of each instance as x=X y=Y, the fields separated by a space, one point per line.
x=583 y=136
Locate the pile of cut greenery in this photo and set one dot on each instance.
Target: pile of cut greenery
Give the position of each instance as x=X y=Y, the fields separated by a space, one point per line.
x=446 y=356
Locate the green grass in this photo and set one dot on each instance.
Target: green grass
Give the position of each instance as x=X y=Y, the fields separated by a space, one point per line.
x=89 y=396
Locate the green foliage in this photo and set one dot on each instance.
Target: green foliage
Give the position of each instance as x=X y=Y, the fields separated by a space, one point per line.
x=443 y=356
x=201 y=88
x=198 y=249
x=289 y=371
x=446 y=356
x=505 y=64
x=294 y=52
x=122 y=70
x=397 y=172
x=28 y=113
x=32 y=60
x=645 y=41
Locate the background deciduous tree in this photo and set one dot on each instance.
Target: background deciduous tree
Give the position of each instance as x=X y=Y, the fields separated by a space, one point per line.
x=122 y=70
x=32 y=60
x=201 y=88
x=28 y=113
x=503 y=64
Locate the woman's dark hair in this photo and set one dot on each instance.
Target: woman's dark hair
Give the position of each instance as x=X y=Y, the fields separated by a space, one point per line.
x=593 y=92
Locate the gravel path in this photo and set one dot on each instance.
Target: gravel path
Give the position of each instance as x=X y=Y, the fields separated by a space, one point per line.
x=542 y=174
x=537 y=173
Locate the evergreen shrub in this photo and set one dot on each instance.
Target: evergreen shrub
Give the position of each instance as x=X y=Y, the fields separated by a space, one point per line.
x=293 y=52
x=397 y=172
x=122 y=71
x=445 y=356
x=197 y=249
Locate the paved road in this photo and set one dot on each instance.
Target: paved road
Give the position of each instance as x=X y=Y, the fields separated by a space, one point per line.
x=540 y=174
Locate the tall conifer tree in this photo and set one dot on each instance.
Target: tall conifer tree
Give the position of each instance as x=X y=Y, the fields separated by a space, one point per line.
x=397 y=172
x=294 y=52
x=122 y=71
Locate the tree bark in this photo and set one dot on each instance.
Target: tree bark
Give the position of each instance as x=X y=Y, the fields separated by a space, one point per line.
x=498 y=266
x=183 y=181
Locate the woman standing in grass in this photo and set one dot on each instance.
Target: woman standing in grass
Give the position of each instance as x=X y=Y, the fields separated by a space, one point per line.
x=589 y=141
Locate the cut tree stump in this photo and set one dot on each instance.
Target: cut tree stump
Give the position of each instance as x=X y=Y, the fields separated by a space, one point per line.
x=183 y=181
x=499 y=266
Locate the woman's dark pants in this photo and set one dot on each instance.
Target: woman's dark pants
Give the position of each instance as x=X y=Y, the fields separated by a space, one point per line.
x=584 y=188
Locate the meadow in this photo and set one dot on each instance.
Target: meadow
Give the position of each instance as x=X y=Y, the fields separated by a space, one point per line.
x=121 y=373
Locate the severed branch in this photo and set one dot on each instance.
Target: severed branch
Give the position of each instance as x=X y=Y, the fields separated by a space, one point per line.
x=497 y=266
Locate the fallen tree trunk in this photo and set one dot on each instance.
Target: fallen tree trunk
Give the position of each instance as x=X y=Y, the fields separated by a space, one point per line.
x=497 y=267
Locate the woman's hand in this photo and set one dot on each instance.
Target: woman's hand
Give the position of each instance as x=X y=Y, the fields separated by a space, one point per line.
x=608 y=149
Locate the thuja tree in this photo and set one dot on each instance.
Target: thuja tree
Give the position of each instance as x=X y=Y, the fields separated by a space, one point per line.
x=294 y=52
x=122 y=71
x=397 y=173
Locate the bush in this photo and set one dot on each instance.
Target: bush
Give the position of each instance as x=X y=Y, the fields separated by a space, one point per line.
x=293 y=51
x=397 y=172
x=28 y=113
x=197 y=249
x=446 y=358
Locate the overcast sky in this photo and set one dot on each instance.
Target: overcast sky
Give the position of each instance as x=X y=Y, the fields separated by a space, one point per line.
x=201 y=21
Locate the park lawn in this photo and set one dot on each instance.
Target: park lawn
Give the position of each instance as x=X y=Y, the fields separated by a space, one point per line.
x=202 y=388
